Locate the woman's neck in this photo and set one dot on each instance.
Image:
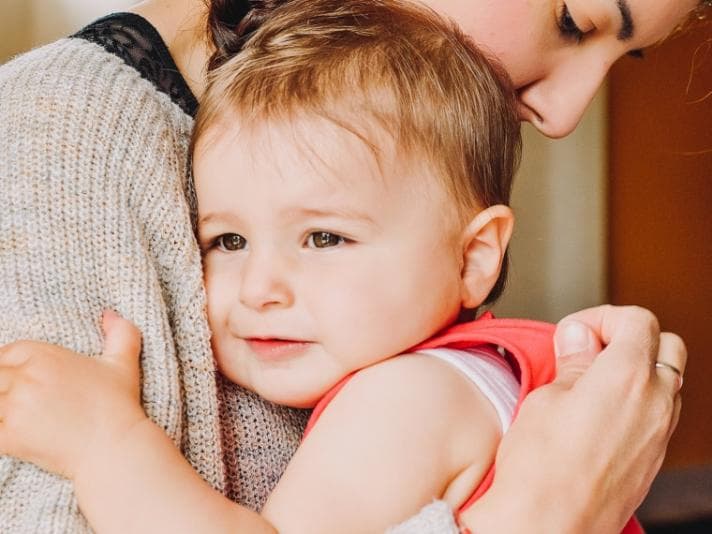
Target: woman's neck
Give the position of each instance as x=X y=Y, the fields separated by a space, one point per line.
x=182 y=25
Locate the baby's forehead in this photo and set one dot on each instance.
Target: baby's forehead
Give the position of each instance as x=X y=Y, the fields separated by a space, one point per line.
x=327 y=144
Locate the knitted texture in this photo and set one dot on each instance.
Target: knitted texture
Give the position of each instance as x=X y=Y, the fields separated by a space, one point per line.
x=435 y=518
x=273 y=436
x=93 y=166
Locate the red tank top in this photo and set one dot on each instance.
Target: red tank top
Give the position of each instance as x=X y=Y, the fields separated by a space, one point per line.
x=530 y=345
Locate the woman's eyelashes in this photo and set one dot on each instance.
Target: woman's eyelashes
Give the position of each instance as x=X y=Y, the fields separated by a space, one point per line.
x=568 y=27
x=571 y=31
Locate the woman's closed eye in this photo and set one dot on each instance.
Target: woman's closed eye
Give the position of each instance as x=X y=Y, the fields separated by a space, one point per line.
x=324 y=240
x=568 y=27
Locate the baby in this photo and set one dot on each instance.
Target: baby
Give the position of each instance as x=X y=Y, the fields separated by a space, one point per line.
x=352 y=167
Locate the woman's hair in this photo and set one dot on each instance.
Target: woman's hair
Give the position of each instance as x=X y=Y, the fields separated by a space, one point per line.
x=703 y=10
x=231 y=22
x=390 y=63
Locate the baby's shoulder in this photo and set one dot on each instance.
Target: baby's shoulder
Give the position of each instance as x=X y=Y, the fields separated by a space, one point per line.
x=424 y=397
x=415 y=421
x=418 y=378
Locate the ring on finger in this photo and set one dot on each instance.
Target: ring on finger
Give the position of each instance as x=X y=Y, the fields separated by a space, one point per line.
x=670 y=367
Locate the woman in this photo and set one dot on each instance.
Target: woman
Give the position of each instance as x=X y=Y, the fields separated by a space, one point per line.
x=94 y=143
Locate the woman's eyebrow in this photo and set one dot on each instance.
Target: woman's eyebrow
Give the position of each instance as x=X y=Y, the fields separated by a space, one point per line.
x=627 y=28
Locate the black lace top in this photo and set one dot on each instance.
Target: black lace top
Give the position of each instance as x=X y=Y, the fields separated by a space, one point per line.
x=136 y=41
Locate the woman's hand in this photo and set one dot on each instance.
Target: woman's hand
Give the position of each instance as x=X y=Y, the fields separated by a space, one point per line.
x=58 y=407
x=583 y=451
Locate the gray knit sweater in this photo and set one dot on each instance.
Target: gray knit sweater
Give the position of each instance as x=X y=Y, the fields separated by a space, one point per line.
x=93 y=169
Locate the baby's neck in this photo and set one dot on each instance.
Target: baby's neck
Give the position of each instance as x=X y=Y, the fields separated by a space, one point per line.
x=182 y=25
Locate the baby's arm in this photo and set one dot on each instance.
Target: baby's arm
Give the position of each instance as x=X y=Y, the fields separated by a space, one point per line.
x=411 y=427
x=81 y=417
x=398 y=435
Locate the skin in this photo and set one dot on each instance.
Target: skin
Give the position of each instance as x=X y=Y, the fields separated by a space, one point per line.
x=556 y=74
x=390 y=239
x=604 y=468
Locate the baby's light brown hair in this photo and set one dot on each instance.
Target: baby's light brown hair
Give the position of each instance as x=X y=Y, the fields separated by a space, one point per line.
x=391 y=63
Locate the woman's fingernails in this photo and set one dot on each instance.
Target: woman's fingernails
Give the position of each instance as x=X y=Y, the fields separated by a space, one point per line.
x=571 y=337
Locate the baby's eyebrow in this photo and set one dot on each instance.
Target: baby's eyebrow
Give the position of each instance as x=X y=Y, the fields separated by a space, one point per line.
x=336 y=211
x=217 y=216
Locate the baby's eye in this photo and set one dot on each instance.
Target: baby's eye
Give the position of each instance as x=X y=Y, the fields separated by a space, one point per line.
x=230 y=242
x=324 y=240
x=568 y=27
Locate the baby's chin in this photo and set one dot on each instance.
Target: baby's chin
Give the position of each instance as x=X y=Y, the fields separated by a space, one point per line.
x=289 y=392
x=296 y=382
x=304 y=401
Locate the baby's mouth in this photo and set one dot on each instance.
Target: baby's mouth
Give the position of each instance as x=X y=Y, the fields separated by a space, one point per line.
x=276 y=348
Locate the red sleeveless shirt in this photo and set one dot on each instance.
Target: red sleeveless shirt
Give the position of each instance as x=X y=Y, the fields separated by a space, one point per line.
x=530 y=347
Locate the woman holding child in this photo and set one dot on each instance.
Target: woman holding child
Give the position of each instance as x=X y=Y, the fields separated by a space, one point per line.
x=121 y=170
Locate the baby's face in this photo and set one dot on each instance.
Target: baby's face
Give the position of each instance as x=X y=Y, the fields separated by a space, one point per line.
x=318 y=263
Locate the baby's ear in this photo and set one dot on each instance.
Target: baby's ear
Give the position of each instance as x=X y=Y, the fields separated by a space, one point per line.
x=485 y=241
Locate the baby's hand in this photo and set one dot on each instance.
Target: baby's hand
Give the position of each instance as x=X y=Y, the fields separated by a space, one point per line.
x=58 y=407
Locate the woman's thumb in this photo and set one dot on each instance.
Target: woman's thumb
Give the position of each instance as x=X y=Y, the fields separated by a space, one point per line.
x=576 y=346
x=122 y=340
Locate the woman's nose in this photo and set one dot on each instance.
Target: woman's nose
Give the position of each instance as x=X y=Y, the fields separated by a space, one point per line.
x=555 y=103
x=264 y=282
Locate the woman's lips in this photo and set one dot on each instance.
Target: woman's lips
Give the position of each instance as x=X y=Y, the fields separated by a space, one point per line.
x=276 y=349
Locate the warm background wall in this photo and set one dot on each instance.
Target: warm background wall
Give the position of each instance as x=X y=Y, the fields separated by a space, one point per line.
x=28 y=23
x=15 y=31
x=558 y=262
x=661 y=234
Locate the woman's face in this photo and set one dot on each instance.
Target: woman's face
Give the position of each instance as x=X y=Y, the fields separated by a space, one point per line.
x=557 y=52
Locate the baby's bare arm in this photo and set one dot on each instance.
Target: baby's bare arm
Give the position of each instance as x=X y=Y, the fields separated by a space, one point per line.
x=396 y=437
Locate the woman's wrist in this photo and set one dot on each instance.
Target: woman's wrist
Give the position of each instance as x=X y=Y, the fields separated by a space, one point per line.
x=522 y=509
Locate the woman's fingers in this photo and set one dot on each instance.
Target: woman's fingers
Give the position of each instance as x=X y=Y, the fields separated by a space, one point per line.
x=635 y=331
x=671 y=361
x=576 y=347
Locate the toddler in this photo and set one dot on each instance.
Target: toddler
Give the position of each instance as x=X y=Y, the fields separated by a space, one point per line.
x=352 y=167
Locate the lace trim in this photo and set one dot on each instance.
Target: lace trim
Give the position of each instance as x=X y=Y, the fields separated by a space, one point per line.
x=136 y=41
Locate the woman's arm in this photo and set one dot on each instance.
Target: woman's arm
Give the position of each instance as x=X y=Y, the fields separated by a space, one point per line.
x=92 y=164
